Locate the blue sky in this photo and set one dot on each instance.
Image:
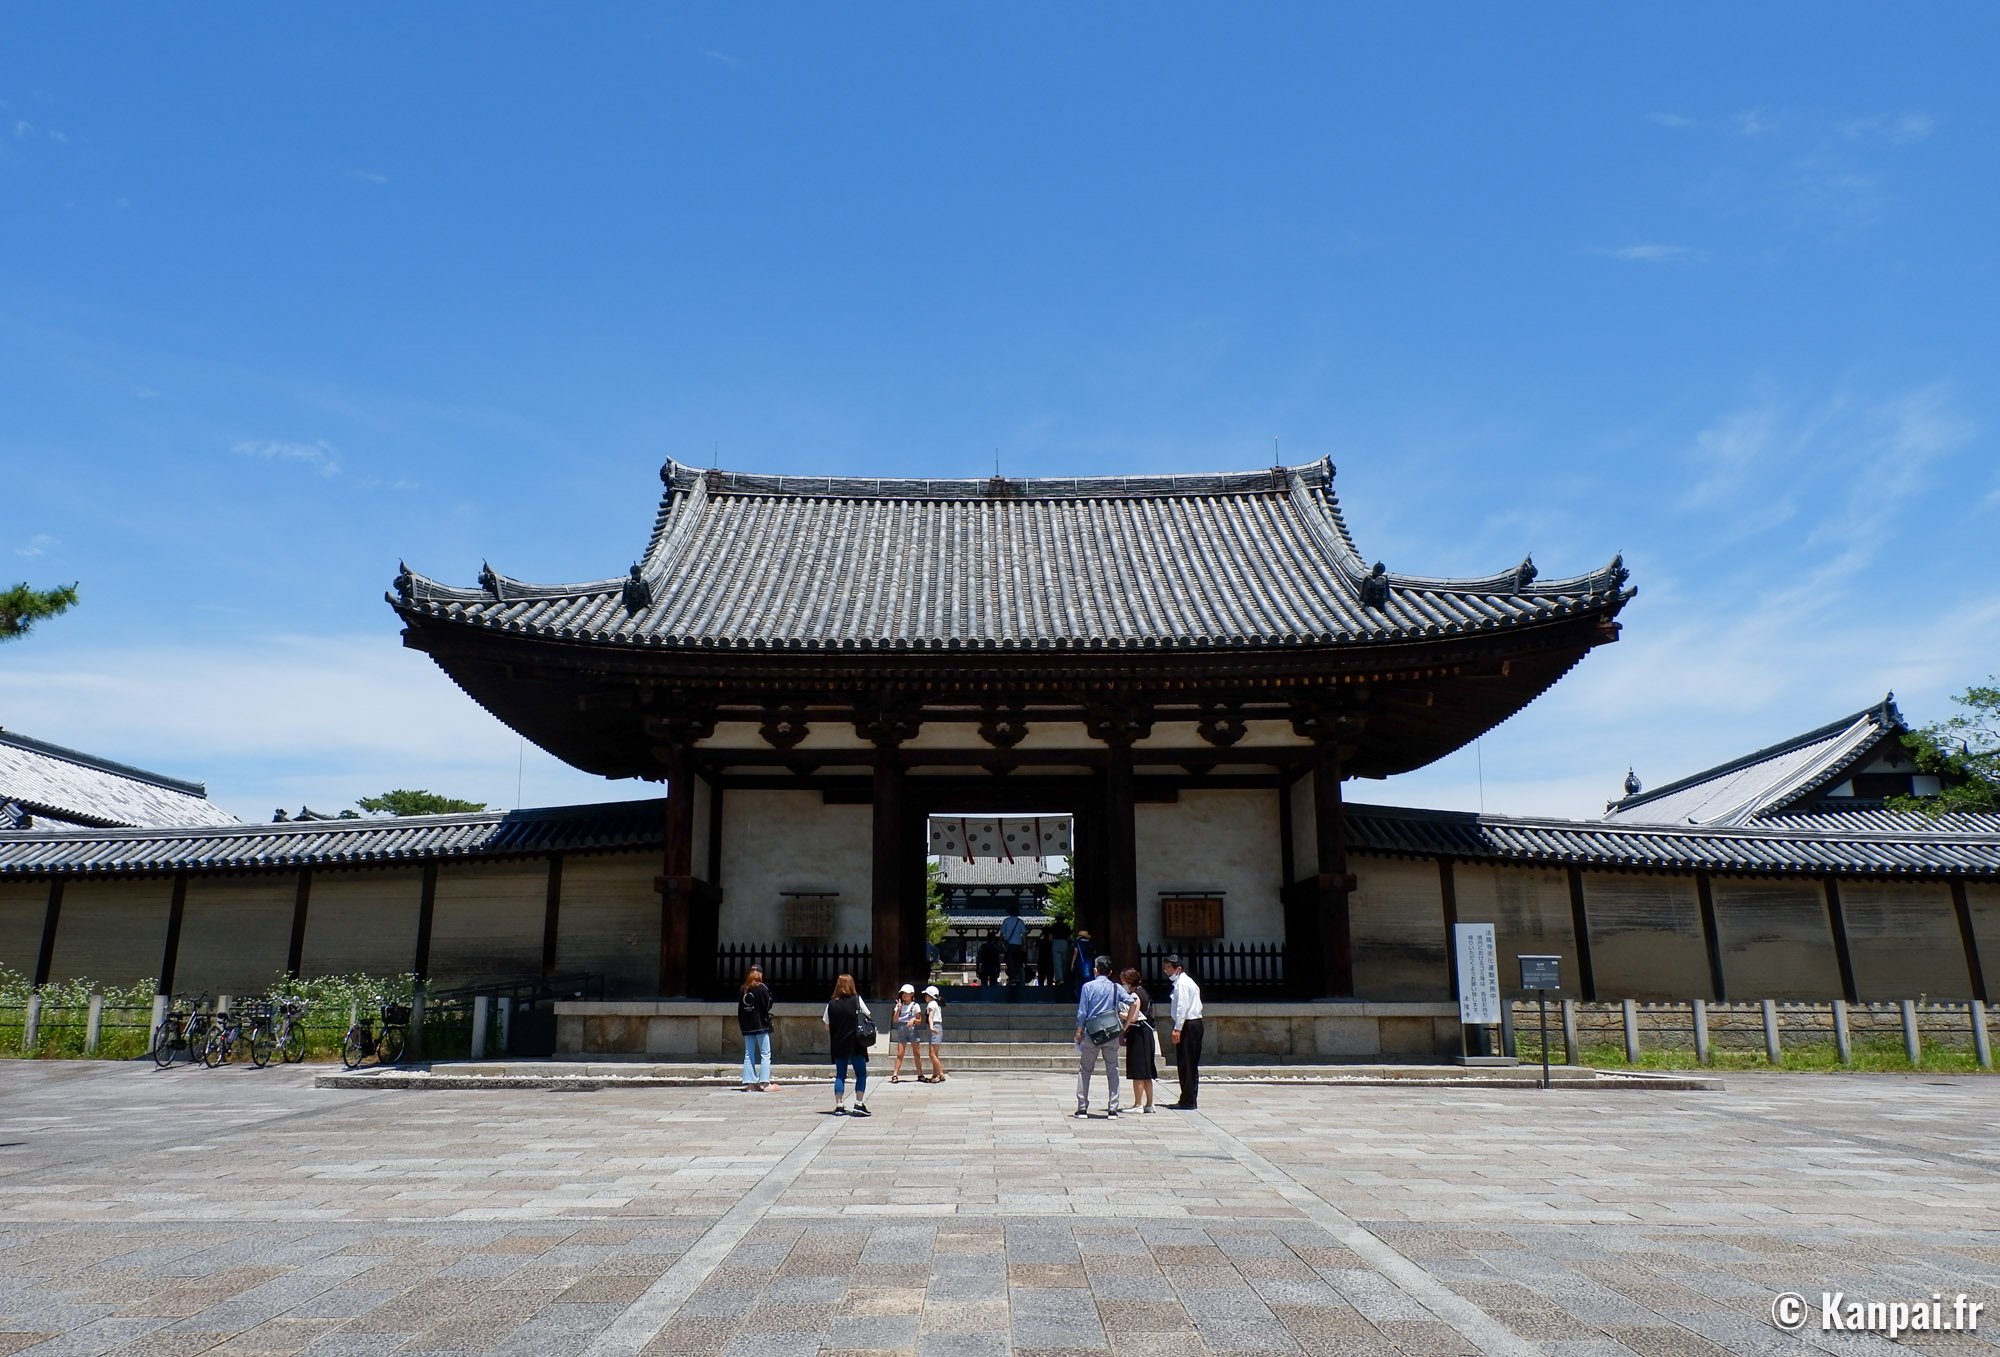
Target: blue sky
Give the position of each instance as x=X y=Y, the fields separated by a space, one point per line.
x=288 y=293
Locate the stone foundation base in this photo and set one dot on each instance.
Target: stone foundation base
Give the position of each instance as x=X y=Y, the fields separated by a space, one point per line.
x=1254 y=1033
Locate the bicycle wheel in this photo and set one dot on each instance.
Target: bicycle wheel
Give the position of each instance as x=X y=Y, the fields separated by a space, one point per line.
x=355 y=1047
x=293 y=1047
x=261 y=1047
x=389 y=1050
x=215 y=1050
x=163 y=1044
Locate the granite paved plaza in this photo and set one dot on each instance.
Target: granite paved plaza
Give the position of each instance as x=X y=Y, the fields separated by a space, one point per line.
x=239 y=1211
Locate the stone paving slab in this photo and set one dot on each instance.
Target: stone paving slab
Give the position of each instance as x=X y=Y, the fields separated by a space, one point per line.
x=236 y=1211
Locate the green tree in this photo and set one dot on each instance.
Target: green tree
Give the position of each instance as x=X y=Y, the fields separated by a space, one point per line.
x=937 y=923
x=1963 y=752
x=416 y=803
x=21 y=607
x=1062 y=897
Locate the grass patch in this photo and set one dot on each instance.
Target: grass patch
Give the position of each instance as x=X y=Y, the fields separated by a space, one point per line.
x=1872 y=1054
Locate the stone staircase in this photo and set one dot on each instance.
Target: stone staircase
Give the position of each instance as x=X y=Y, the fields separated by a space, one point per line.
x=1000 y=1036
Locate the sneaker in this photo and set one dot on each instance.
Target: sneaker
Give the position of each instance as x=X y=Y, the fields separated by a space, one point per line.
x=1082 y=1111
x=1112 y=1114
x=1147 y=1108
x=861 y=1110
x=839 y=1111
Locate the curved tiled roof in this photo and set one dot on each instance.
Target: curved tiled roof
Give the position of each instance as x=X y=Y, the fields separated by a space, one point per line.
x=1746 y=789
x=48 y=781
x=1183 y=562
x=1518 y=841
x=333 y=843
x=1745 y=850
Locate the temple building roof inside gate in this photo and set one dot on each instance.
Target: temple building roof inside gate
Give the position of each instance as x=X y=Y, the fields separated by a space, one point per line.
x=1255 y=559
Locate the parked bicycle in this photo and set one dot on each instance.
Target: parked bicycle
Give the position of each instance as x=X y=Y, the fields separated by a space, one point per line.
x=244 y=1030
x=185 y=1028
x=362 y=1041
x=289 y=1033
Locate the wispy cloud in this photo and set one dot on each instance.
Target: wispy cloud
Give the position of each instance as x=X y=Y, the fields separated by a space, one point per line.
x=1652 y=253
x=1672 y=120
x=1753 y=122
x=368 y=176
x=36 y=545
x=23 y=129
x=319 y=454
x=1898 y=129
x=722 y=58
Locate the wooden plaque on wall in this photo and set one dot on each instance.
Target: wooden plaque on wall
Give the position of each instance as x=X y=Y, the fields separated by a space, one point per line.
x=809 y=916
x=1191 y=916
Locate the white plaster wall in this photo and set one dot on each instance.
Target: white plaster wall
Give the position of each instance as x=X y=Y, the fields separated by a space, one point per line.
x=792 y=841
x=1213 y=840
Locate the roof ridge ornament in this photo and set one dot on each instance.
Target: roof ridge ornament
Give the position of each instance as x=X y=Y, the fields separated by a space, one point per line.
x=638 y=592
x=1525 y=572
x=1375 y=587
x=489 y=580
x=405 y=582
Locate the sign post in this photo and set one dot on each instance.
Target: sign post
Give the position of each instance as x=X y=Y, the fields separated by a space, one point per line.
x=1542 y=974
x=1478 y=978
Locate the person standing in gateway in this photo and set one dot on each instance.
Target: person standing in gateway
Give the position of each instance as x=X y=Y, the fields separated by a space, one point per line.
x=1014 y=937
x=1100 y=1006
x=1187 y=1034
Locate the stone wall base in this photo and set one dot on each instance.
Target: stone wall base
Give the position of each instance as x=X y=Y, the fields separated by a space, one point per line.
x=1254 y=1033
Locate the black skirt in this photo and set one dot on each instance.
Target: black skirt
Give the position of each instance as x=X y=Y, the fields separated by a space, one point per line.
x=1140 y=1061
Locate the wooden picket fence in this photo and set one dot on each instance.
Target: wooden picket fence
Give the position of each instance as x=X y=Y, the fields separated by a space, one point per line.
x=1224 y=970
x=794 y=970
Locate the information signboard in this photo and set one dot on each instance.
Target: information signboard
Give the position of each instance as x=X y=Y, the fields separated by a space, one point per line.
x=1478 y=974
x=1540 y=972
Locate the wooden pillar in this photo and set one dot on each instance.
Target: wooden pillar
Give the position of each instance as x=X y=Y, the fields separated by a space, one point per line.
x=676 y=881
x=887 y=874
x=426 y=909
x=1836 y=923
x=1448 y=897
x=1121 y=858
x=45 y=957
x=552 y=914
x=1579 y=919
x=1336 y=934
x=1967 y=935
x=170 y=955
x=295 y=950
x=1711 y=936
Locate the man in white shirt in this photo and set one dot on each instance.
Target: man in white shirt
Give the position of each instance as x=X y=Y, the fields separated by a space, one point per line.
x=1187 y=1034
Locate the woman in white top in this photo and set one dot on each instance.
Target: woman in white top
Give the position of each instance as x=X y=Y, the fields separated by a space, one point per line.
x=932 y=1036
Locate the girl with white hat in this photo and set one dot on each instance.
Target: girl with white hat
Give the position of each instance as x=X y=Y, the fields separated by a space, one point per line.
x=932 y=1036
x=908 y=1014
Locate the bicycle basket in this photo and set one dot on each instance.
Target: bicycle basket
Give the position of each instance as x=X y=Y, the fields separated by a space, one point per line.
x=395 y=1014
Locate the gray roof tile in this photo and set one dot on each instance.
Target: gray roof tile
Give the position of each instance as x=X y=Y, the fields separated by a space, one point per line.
x=51 y=782
x=781 y=563
x=334 y=843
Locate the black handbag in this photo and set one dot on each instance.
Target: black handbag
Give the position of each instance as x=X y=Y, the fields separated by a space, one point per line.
x=864 y=1031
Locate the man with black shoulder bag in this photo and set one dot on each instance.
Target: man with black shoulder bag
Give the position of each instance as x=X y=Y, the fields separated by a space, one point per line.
x=1100 y=1020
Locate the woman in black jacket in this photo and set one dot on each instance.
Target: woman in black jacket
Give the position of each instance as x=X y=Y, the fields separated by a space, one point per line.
x=843 y=1015
x=753 y=1015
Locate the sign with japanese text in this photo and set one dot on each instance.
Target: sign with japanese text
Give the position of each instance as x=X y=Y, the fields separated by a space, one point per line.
x=1478 y=974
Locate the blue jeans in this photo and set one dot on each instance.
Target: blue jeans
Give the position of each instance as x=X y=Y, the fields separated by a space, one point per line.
x=756 y=1057
x=860 y=1064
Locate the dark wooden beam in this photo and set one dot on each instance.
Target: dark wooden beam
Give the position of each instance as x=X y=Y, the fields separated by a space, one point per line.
x=1836 y=924
x=886 y=868
x=552 y=914
x=1579 y=919
x=1969 y=937
x=426 y=911
x=676 y=880
x=295 y=950
x=170 y=954
x=1711 y=936
x=1121 y=862
x=1448 y=896
x=1287 y=854
x=1336 y=928
x=45 y=956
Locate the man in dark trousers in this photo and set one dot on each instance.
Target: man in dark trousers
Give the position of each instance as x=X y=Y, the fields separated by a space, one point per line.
x=1014 y=937
x=1187 y=1034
